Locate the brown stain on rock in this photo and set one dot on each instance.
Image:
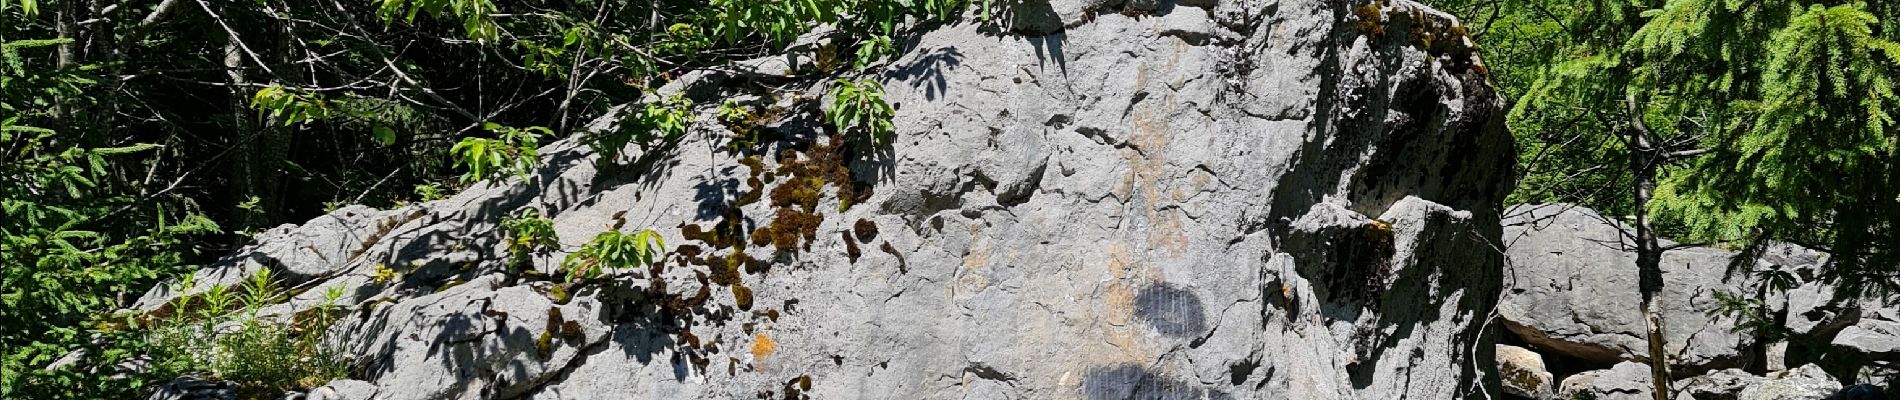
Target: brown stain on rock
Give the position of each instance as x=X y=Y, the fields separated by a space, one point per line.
x=1147 y=167
x=1123 y=339
x=970 y=276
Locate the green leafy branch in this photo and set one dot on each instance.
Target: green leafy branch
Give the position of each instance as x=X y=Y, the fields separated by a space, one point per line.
x=475 y=15
x=513 y=151
x=531 y=233
x=289 y=106
x=858 y=109
x=651 y=126
x=614 y=250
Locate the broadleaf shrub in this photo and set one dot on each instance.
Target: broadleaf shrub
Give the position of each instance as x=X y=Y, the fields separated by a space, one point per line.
x=616 y=250
x=859 y=111
x=512 y=152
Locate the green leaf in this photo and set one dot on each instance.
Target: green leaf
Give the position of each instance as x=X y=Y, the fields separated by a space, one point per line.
x=384 y=135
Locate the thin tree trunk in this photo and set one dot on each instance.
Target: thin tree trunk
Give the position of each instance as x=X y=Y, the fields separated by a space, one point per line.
x=1649 y=271
x=1643 y=160
x=244 y=156
x=63 y=27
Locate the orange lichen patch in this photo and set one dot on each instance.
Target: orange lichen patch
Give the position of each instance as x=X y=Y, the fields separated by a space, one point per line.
x=969 y=277
x=1119 y=301
x=1167 y=233
x=762 y=347
x=1147 y=167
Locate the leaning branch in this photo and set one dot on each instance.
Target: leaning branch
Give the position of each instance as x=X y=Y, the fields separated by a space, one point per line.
x=145 y=25
x=1678 y=155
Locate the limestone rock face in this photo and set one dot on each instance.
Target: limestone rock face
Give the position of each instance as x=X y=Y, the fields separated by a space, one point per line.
x=1716 y=385
x=188 y=388
x=343 y=389
x=1205 y=199
x=1878 y=338
x=1625 y=381
x=1573 y=292
x=1523 y=373
x=1807 y=382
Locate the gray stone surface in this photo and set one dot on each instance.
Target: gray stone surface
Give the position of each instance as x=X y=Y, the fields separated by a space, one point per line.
x=189 y=388
x=343 y=389
x=1807 y=382
x=1233 y=199
x=1625 y=381
x=1716 y=385
x=296 y=254
x=1877 y=338
x=1811 y=312
x=1523 y=373
x=1573 y=291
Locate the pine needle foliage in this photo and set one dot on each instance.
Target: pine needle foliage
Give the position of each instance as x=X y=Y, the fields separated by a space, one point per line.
x=1809 y=155
x=1783 y=111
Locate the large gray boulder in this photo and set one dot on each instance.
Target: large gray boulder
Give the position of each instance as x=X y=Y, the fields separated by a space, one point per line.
x=1232 y=199
x=1807 y=382
x=1877 y=339
x=1572 y=291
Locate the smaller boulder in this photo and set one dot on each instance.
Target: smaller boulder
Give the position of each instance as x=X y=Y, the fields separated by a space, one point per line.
x=1877 y=375
x=1777 y=354
x=1628 y=380
x=1807 y=382
x=1724 y=384
x=1524 y=373
x=343 y=389
x=189 y=388
x=1875 y=338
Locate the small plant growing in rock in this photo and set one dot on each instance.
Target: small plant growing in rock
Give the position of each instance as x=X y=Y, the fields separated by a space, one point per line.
x=654 y=124
x=859 y=111
x=733 y=113
x=430 y=192
x=263 y=355
x=530 y=233
x=614 y=250
x=511 y=152
x=872 y=49
x=383 y=273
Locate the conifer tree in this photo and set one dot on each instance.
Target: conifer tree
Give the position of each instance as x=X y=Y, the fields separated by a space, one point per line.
x=1733 y=123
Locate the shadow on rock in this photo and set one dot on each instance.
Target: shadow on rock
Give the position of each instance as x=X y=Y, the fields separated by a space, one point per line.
x=1171 y=310
x=1130 y=382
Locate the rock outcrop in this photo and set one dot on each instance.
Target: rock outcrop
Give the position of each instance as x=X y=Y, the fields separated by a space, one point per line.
x=1572 y=291
x=1098 y=199
x=1804 y=383
x=1716 y=385
x=1625 y=381
x=1570 y=298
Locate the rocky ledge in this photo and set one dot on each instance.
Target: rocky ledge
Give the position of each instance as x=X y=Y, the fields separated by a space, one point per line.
x=1099 y=199
x=1573 y=330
